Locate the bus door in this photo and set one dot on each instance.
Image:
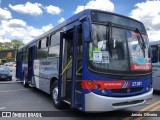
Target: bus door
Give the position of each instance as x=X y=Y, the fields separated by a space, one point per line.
x=30 y=62
x=71 y=68
x=19 y=65
x=17 y=61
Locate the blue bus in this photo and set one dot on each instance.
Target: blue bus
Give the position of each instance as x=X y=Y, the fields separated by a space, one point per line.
x=94 y=61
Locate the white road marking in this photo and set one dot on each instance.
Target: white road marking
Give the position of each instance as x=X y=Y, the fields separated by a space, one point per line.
x=2 y=108
x=13 y=90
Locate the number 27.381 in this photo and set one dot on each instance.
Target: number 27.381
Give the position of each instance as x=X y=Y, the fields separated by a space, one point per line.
x=136 y=83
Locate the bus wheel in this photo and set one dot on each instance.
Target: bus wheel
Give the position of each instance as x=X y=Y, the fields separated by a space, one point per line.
x=25 y=83
x=54 y=94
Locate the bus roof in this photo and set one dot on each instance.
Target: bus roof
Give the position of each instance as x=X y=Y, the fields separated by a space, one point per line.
x=69 y=21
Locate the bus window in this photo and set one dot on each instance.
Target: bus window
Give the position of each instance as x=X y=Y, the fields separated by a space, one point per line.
x=55 y=39
x=39 y=44
x=47 y=42
x=154 y=54
x=118 y=59
x=54 y=51
x=42 y=50
x=44 y=43
x=25 y=53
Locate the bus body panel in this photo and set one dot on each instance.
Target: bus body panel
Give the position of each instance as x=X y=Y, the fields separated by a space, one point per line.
x=44 y=71
x=98 y=103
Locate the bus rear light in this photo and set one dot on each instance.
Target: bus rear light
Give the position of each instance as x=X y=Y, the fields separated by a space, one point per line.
x=148 y=101
x=90 y=82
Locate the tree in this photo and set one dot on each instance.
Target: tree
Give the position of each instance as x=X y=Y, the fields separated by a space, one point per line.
x=16 y=44
x=13 y=45
x=7 y=45
x=1 y=44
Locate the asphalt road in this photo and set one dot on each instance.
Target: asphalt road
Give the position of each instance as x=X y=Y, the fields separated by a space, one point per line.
x=14 y=97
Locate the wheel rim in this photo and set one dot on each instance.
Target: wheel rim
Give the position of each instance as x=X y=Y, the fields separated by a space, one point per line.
x=55 y=95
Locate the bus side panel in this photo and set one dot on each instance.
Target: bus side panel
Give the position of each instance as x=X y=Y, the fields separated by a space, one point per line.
x=36 y=72
x=156 y=75
x=44 y=70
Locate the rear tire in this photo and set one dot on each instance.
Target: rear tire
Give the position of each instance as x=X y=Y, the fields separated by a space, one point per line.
x=54 y=93
x=25 y=83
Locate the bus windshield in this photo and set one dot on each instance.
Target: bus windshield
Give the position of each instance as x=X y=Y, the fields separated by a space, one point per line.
x=103 y=57
x=139 y=51
x=123 y=51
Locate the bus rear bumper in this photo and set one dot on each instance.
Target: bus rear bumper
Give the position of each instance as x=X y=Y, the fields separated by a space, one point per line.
x=95 y=103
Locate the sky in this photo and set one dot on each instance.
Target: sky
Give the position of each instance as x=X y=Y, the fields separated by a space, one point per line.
x=27 y=19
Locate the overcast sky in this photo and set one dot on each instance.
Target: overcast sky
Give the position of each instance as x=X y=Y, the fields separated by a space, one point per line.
x=27 y=19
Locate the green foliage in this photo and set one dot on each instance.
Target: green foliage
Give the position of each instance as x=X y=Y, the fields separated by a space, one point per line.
x=17 y=42
x=14 y=44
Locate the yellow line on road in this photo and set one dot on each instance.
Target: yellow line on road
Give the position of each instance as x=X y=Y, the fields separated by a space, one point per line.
x=144 y=109
x=152 y=110
x=156 y=108
x=148 y=107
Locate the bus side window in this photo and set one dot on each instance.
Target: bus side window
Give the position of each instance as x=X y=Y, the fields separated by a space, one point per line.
x=39 y=44
x=54 y=51
x=154 y=54
x=55 y=39
x=42 y=50
x=54 y=45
